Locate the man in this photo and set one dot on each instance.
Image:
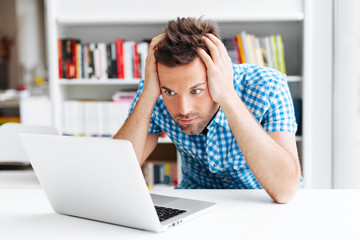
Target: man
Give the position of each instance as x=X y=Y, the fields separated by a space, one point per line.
x=234 y=125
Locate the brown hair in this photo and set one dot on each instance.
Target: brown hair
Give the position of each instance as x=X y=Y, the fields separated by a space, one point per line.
x=182 y=38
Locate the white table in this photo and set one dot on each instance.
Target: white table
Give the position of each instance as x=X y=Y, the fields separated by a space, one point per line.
x=240 y=214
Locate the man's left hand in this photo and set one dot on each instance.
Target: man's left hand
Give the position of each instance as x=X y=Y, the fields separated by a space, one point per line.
x=219 y=69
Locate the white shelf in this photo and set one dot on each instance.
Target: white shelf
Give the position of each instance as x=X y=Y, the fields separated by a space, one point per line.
x=161 y=19
x=99 y=81
x=127 y=81
x=294 y=78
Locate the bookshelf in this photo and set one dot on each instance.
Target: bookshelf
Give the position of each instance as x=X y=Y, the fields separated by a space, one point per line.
x=103 y=21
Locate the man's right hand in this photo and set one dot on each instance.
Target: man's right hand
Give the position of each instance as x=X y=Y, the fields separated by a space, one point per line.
x=151 y=81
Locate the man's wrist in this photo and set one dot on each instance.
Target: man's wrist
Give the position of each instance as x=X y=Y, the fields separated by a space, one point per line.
x=228 y=98
x=149 y=97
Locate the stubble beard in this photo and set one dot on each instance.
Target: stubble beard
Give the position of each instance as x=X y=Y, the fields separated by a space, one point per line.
x=195 y=128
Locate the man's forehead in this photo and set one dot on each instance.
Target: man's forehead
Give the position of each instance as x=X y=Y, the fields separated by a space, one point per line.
x=182 y=77
x=185 y=85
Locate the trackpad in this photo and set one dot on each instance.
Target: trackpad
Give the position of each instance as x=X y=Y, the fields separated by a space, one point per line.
x=160 y=200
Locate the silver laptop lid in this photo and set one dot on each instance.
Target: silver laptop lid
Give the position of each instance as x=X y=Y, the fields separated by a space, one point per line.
x=92 y=178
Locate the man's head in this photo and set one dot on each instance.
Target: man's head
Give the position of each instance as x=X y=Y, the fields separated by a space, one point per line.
x=182 y=39
x=183 y=75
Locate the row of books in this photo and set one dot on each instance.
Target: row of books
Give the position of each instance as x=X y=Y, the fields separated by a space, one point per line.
x=160 y=173
x=118 y=59
x=96 y=118
x=266 y=51
x=93 y=118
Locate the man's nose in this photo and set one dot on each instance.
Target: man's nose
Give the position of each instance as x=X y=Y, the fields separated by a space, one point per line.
x=184 y=105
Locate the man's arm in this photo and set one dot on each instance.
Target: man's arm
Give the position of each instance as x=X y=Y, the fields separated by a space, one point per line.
x=135 y=128
x=272 y=157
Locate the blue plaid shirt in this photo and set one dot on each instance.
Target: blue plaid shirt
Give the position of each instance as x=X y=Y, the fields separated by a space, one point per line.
x=214 y=160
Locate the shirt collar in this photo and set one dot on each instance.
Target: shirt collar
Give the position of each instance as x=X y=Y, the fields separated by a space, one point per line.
x=220 y=119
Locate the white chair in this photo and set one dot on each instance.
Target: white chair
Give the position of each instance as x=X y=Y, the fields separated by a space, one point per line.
x=11 y=149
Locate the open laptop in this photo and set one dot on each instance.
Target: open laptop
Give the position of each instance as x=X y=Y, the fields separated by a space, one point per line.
x=101 y=179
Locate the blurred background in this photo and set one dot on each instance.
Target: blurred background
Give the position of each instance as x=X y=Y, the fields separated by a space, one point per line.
x=59 y=66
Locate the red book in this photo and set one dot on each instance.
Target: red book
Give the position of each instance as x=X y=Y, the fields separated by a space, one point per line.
x=136 y=62
x=236 y=47
x=74 y=60
x=60 y=58
x=119 y=57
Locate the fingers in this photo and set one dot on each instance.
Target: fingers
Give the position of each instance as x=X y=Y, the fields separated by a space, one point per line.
x=206 y=58
x=216 y=47
x=154 y=42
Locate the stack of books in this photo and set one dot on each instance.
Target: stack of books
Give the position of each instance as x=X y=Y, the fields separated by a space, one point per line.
x=266 y=51
x=96 y=118
x=119 y=59
x=164 y=173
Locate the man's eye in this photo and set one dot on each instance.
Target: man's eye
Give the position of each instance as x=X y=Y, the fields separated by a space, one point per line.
x=196 y=91
x=170 y=93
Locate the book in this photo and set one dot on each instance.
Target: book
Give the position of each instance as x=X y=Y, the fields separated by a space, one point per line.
x=236 y=49
x=230 y=49
x=136 y=62
x=241 y=48
x=143 y=52
x=119 y=57
x=274 y=52
x=245 y=47
x=280 y=53
x=99 y=60
x=60 y=58
x=251 y=48
x=128 y=47
x=258 y=52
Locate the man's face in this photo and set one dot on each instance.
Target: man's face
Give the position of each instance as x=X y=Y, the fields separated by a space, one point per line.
x=186 y=96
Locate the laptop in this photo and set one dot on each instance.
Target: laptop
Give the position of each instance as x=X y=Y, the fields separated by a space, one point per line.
x=101 y=179
x=12 y=151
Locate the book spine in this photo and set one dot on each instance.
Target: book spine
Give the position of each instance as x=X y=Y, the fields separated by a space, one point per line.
x=237 y=51
x=108 y=60
x=60 y=58
x=143 y=52
x=91 y=60
x=136 y=62
x=119 y=57
x=113 y=61
x=250 y=44
x=258 y=53
x=245 y=47
x=269 y=57
x=128 y=47
x=86 y=60
x=274 y=52
x=281 y=57
x=64 y=71
x=241 y=48
x=74 y=59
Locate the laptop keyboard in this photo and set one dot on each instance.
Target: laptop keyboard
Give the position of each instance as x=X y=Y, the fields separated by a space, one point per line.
x=166 y=213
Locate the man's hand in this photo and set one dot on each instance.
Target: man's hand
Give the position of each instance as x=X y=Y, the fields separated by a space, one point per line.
x=151 y=81
x=219 y=69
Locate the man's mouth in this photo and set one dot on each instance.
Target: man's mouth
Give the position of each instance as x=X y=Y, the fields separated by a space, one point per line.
x=187 y=120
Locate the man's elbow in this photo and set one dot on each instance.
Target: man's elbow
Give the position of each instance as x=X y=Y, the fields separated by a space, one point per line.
x=285 y=194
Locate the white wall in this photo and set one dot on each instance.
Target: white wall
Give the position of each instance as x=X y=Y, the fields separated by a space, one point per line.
x=30 y=31
x=346 y=94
